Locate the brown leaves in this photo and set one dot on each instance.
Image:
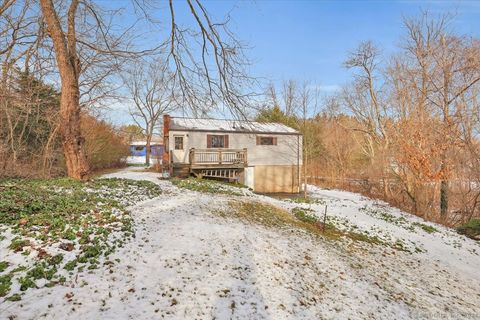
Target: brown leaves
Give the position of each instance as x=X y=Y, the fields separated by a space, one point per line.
x=42 y=253
x=66 y=246
x=421 y=149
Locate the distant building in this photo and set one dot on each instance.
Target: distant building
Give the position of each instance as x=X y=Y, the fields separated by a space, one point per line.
x=138 y=152
x=266 y=157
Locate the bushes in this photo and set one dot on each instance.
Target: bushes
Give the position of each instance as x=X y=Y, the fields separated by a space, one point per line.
x=105 y=147
x=471 y=229
x=30 y=143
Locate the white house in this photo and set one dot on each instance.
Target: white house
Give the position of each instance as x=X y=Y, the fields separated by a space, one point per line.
x=267 y=157
x=138 y=151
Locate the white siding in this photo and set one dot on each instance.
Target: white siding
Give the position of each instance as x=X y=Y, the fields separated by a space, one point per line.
x=284 y=153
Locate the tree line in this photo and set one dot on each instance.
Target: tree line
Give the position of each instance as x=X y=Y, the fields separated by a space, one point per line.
x=85 y=49
x=30 y=144
x=405 y=129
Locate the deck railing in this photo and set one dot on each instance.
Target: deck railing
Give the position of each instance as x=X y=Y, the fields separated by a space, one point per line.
x=218 y=156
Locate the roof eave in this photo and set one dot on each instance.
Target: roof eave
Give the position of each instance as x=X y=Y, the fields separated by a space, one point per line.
x=237 y=131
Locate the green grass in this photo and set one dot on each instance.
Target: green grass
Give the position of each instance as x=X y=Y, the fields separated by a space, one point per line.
x=5 y=283
x=471 y=229
x=78 y=214
x=425 y=227
x=209 y=186
x=307 y=200
x=300 y=218
x=305 y=215
x=3 y=265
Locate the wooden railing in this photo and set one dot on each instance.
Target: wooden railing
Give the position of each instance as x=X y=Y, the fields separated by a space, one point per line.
x=218 y=156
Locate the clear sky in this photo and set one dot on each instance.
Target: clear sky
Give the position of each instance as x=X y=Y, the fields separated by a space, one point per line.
x=308 y=40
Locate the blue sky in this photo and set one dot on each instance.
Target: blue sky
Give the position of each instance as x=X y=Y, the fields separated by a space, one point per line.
x=309 y=40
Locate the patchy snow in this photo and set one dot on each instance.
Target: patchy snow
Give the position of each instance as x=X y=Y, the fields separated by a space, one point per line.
x=188 y=263
x=442 y=245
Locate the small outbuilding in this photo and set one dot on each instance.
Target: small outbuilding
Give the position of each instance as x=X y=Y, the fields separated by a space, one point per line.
x=266 y=157
x=138 y=152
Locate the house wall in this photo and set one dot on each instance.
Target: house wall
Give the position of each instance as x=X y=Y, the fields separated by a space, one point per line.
x=276 y=179
x=270 y=168
x=284 y=153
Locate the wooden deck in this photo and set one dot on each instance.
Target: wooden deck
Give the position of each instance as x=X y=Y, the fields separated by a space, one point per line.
x=218 y=163
x=217 y=158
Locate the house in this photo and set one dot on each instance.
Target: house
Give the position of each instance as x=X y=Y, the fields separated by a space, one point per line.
x=266 y=157
x=138 y=152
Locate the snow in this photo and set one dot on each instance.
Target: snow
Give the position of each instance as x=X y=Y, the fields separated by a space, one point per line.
x=179 y=123
x=188 y=263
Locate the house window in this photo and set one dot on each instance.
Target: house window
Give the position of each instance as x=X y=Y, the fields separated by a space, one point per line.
x=217 y=141
x=178 y=143
x=266 y=141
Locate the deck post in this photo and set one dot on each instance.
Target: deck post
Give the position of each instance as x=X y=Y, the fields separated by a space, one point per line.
x=191 y=156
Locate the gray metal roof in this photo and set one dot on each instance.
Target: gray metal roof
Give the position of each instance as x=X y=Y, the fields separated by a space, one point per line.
x=194 y=124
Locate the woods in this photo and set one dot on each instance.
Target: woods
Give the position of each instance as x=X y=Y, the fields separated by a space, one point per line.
x=78 y=46
x=203 y=159
x=405 y=129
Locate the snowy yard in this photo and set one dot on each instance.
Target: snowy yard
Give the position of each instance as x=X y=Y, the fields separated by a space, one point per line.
x=190 y=260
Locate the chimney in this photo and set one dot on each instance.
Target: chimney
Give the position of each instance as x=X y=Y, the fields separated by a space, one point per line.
x=166 y=142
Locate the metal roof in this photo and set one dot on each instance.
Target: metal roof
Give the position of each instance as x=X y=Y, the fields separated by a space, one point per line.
x=194 y=124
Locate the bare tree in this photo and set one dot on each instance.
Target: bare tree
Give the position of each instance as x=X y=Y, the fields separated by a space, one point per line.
x=152 y=91
x=308 y=106
x=78 y=38
x=65 y=44
x=209 y=64
x=447 y=68
x=365 y=99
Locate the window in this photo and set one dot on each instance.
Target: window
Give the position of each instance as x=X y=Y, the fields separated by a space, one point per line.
x=178 y=143
x=139 y=148
x=266 y=141
x=217 y=141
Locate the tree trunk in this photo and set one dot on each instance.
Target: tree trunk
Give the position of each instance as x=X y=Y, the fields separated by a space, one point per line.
x=147 y=155
x=72 y=140
x=443 y=199
x=305 y=192
x=69 y=68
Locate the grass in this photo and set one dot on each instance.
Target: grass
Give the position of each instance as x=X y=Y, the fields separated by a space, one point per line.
x=305 y=215
x=425 y=227
x=471 y=229
x=209 y=186
x=398 y=220
x=3 y=265
x=88 y=218
x=300 y=218
x=307 y=200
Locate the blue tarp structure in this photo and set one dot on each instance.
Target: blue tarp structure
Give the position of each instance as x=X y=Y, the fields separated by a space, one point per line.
x=141 y=151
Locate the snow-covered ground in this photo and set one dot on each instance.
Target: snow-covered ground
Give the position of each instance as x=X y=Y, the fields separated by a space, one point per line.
x=186 y=262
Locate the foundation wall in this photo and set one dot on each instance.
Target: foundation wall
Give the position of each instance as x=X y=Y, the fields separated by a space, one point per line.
x=276 y=179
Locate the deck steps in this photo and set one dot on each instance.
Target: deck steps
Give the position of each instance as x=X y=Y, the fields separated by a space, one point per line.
x=223 y=173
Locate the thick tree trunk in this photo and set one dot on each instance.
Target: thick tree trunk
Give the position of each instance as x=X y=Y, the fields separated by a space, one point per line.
x=69 y=68
x=72 y=140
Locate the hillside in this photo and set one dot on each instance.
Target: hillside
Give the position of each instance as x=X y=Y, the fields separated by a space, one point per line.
x=222 y=252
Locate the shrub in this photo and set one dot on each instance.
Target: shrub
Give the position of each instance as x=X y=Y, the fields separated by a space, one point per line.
x=471 y=229
x=104 y=146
